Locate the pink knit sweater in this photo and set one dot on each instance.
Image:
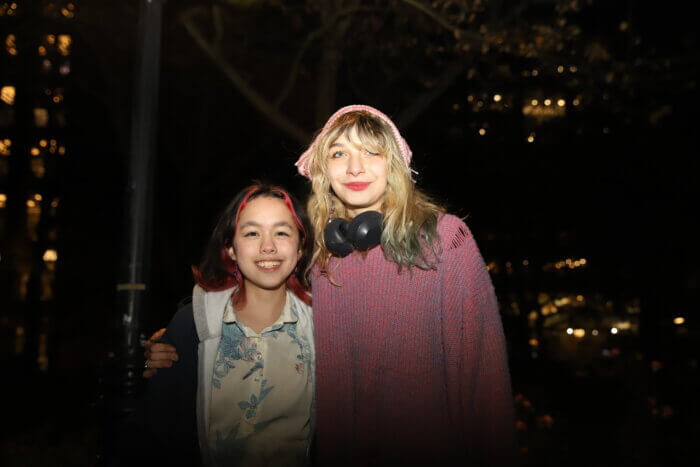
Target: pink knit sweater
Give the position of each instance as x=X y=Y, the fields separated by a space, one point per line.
x=412 y=367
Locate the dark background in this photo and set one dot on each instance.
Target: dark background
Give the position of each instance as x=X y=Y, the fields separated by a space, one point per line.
x=610 y=176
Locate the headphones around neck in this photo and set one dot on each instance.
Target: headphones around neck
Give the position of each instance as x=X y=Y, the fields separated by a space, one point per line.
x=362 y=233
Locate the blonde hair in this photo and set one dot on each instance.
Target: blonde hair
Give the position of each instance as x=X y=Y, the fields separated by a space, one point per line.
x=409 y=237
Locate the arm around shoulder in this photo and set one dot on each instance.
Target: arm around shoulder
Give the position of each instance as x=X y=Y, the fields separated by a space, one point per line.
x=169 y=412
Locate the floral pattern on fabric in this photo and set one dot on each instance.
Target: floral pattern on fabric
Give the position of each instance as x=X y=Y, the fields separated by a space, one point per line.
x=305 y=355
x=251 y=406
x=234 y=346
x=260 y=397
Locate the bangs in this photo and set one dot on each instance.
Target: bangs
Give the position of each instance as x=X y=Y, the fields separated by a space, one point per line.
x=372 y=134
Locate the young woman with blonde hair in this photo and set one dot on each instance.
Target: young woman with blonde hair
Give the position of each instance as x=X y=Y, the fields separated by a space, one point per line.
x=411 y=358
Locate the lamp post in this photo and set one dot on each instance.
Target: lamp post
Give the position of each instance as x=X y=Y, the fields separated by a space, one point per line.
x=126 y=363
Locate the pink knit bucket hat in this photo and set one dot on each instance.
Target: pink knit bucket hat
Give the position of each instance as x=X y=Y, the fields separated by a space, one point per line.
x=303 y=162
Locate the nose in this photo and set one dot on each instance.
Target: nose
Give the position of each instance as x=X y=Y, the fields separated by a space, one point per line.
x=355 y=166
x=268 y=244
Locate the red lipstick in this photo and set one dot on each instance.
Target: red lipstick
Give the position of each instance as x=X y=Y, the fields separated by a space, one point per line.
x=357 y=186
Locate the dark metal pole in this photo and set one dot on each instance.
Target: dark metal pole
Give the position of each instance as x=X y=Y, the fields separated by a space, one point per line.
x=132 y=287
x=125 y=365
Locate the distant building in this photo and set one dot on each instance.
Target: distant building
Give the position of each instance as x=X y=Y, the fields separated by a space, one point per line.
x=36 y=43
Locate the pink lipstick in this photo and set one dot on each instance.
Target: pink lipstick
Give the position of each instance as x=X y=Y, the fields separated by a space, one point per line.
x=357 y=186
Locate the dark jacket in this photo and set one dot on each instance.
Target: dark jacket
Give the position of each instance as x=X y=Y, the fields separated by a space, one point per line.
x=163 y=429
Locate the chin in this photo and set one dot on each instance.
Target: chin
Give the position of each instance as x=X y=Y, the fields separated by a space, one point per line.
x=359 y=202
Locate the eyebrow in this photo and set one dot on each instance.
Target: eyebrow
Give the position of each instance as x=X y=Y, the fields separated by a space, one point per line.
x=257 y=224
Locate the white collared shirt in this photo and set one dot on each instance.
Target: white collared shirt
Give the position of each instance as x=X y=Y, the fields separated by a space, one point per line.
x=262 y=391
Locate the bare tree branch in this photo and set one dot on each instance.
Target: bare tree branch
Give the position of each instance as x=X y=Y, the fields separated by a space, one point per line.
x=418 y=105
x=218 y=24
x=433 y=15
x=260 y=103
x=314 y=35
x=458 y=33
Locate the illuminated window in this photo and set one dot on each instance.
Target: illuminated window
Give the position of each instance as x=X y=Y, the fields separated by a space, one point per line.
x=54 y=209
x=59 y=9
x=33 y=216
x=64 y=43
x=57 y=96
x=68 y=11
x=3 y=200
x=38 y=166
x=46 y=65
x=50 y=256
x=10 y=44
x=7 y=94
x=41 y=152
x=41 y=117
x=8 y=8
x=5 y=147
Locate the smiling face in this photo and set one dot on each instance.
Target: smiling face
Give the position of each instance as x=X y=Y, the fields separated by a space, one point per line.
x=357 y=175
x=266 y=244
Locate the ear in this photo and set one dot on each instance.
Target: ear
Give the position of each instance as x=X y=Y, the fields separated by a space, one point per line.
x=231 y=253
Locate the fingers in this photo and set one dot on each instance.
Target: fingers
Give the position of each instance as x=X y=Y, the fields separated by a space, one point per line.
x=158 y=349
x=157 y=335
x=158 y=355
x=154 y=338
x=160 y=362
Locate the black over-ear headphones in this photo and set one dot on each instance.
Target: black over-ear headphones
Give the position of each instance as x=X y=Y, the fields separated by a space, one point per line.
x=362 y=233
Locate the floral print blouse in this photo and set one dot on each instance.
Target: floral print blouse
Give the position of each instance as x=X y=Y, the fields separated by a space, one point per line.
x=262 y=391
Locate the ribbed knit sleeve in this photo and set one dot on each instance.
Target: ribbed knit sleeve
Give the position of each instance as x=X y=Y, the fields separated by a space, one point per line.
x=478 y=380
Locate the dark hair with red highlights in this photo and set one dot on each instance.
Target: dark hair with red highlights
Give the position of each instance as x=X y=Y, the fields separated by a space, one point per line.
x=217 y=271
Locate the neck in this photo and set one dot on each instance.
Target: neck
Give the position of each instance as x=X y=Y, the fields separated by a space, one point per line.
x=352 y=213
x=262 y=306
x=259 y=298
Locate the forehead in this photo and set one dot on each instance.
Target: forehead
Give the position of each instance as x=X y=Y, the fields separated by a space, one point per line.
x=265 y=210
x=355 y=136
